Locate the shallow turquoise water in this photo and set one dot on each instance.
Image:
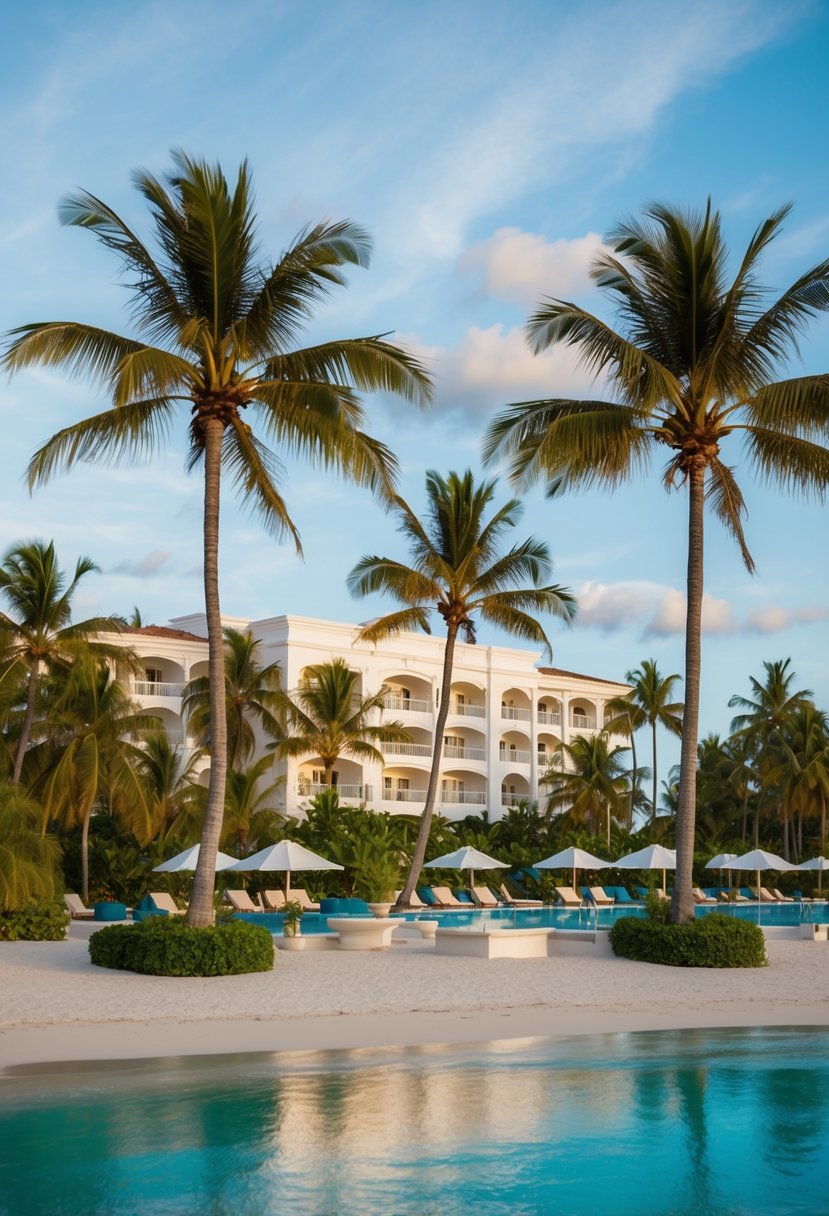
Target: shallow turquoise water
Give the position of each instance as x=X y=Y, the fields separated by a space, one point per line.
x=686 y=1123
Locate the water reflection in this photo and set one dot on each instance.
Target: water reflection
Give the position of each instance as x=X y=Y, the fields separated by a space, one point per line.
x=633 y=1123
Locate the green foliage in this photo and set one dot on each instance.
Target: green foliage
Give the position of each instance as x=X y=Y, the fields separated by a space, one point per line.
x=292 y=913
x=34 y=923
x=712 y=941
x=27 y=857
x=158 y=946
x=657 y=909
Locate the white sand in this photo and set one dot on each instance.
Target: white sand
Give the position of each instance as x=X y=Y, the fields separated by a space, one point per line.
x=54 y=1005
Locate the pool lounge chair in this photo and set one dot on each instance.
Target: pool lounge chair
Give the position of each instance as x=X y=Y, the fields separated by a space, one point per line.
x=164 y=902
x=76 y=908
x=447 y=900
x=600 y=896
x=414 y=901
x=240 y=901
x=569 y=897
x=766 y=897
x=302 y=897
x=520 y=902
x=484 y=898
x=427 y=895
x=622 y=895
x=700 y=897
x=784 y=899
x=274 y=900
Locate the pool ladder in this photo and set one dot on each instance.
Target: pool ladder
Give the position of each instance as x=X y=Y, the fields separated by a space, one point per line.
x=588 y=910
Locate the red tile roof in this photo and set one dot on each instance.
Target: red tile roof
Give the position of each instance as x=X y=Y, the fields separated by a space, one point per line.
x=161 y=631
x=576 y=675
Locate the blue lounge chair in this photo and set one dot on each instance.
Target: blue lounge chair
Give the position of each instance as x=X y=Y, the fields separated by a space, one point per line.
x=428 y=896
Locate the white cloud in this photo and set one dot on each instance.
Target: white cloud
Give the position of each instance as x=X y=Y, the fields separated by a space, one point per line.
x=774 y=618
x=669 y=615
x=157 y=561
x=521 y=266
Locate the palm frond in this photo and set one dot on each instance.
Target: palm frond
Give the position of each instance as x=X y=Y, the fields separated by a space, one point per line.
x=254 y=469
x=406 y=620
x=82 y=349
x=728 y=504
x=789 y=462
x=797 y=405
x=128 y=432
x=370 y=364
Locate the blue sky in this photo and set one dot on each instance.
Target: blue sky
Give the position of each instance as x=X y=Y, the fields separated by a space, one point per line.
x=487 y=147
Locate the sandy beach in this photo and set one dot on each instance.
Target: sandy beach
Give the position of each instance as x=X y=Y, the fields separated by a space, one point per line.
x=55 y=1006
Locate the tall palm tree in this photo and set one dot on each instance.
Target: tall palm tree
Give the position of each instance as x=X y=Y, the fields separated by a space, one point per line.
x=175 y=800
x=250 y=695
x=39 y=634
x=651 y=706
x=326 y=717
x=801 y=771
x=592 y=785
x=459 y=569
x=250 y=816
x=220 y=327
x=693 y=362
x=90 y=759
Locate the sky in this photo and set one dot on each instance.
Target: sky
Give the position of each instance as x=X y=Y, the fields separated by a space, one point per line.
x=489 y=148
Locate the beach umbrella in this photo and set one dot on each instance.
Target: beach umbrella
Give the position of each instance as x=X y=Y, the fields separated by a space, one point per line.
x=757 y=860
x=652 y=857
x=721 y=862
x=572 y=859
x=819 y=864
x=466 y=858
x=285 y=855
x=188 y=861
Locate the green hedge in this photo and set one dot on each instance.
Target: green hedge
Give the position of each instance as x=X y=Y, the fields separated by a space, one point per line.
x=712 y=941
x=35 y=923
x=158 y=946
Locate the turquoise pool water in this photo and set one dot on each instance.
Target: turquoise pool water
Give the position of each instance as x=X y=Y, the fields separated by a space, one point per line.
x=686 y=1123
x=572 y=918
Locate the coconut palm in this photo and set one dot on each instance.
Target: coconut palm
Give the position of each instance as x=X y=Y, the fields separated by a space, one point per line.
x=592 y=785
x=461 y=570
x=327 y=718
x=648 y=704
x=692 y=363
x=250 y=696
x=220 y=326
x=800 y=770
x=250 y=816
x=28 y=858
x=90 y=759
x=39 y=635
x=175 y=801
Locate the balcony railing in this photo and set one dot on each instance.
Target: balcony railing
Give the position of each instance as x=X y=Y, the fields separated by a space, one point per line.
x=309 y=789
x=451 y=752
x=407 y=705
x=153 y=688
x=407 y=749
x=470 y=797
x=549 y=717
x=404 y=795
x=470 y=711
x=513 y=799
x=583 y=721
x=516 y=715
x=513 y=755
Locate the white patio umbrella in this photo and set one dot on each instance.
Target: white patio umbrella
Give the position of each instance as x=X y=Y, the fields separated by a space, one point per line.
x=466 y=858
x=188 y=860
x=721 y=862
x=819 y=864
x=285 y=855
x=572 y=859
x=652 y=857
x=757 y=860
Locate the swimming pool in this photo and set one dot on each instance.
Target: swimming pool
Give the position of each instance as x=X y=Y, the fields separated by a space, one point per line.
x=686 y=1123
x=568 y=918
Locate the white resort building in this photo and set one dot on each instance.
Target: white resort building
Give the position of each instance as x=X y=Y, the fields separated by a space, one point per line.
x=506 y=717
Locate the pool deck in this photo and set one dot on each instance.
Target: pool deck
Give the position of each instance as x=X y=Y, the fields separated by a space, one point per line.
x=54 y=1006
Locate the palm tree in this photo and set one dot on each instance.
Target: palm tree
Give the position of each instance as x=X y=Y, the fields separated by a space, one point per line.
x=650 y=705
x=592 y=785
x=175 y=801
x=28 y=859
x=693 y=361
x=220 y=326
x=250 y=693
x=327 y=718
x=39 y=634
x=90 y=759
x=460 y=570
x=249 y=814
x=800 y=769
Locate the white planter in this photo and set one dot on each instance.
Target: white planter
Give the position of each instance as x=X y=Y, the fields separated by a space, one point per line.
x=379 y=910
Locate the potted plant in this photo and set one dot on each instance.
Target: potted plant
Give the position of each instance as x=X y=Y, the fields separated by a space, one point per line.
x=378 y=877
x=292 y=911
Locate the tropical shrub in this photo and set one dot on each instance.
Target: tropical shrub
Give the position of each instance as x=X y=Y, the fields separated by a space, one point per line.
x=34 y=923
x=712 y=941
x=158 y=946
x=27 y=857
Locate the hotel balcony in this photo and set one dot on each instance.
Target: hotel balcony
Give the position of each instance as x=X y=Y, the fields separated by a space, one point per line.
x=515 y=713
x=309 y=789
x=466 y=710
x=466 y=797
x=513 y=755
x=155 y=688
x=407 y=705
x=549 y=717
x=407 y=749
x=451 y=752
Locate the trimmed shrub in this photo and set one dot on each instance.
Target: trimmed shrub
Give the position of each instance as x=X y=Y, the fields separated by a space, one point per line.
x=159 y=946
x=711 y=941
x=35 y=923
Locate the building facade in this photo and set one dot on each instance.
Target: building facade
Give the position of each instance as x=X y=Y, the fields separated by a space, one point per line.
x=506 y=719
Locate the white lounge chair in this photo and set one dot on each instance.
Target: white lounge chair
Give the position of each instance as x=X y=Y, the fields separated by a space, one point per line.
x=569 y=897
x=302 y=897
x=700 y=896
x=274 y=900
x=484 y=897
x=164 y=902
x=240 y=901
x=519 y=902
x=784 y=899
x=448 y=900
x=600 y=896
x=76 y=908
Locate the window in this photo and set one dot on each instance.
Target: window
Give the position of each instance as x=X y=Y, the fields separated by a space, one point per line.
x=154 y=675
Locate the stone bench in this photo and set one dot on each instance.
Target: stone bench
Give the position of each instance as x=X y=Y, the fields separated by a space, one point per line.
x=363 y=933
x=494 y=943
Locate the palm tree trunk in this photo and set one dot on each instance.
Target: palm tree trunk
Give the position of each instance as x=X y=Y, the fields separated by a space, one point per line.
x=682 y=902
x=85 y=856
x=419 y=855
x=200 y=911
x=28 y=719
